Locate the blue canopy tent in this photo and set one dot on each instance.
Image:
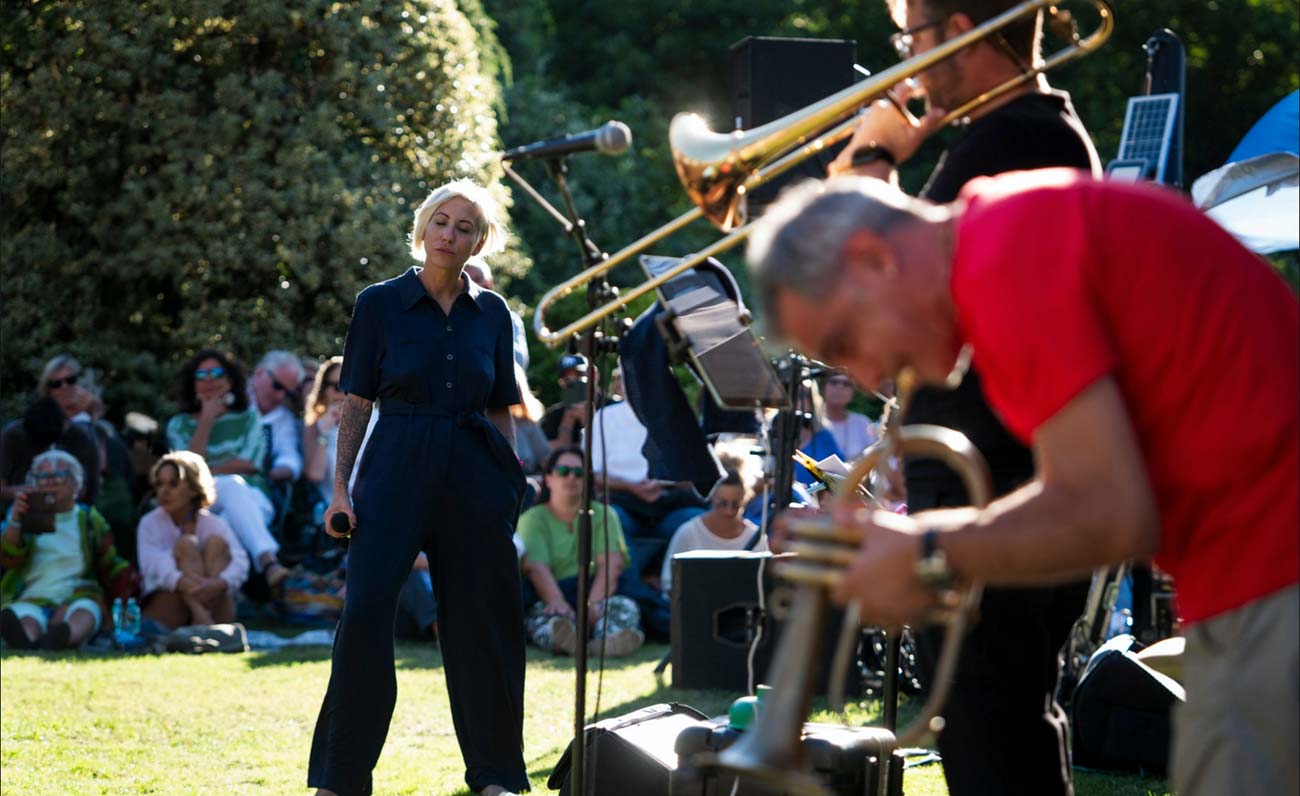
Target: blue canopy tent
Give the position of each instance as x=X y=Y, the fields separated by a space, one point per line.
x=1256 y=194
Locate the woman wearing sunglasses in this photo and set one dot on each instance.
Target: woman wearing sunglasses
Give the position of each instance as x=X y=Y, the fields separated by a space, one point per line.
x=217 y=423
x=722 y=527
x=549 y=533
x=434 y=352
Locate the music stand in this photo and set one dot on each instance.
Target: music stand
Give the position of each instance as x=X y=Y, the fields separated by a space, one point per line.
x=705 y=326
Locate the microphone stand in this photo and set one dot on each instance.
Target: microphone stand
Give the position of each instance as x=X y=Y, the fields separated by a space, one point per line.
x=594 y=342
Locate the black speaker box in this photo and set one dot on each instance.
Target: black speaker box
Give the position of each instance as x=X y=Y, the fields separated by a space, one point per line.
x=631 y=755
x=1121 y=711
x=715 y=617
x=848 y=761
x=773 y=77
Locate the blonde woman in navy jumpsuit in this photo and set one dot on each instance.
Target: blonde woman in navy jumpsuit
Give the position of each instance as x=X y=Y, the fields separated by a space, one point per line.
x=433 y=351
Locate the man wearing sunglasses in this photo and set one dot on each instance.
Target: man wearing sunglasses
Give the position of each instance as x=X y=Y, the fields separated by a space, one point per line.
x=278 y=375
x=999 y=736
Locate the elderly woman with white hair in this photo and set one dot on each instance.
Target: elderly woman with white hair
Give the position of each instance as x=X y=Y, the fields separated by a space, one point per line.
x=57 y=569
x=191 y=562
x=433 y=350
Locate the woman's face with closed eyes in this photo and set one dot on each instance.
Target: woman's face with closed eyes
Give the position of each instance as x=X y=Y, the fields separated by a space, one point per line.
x=453 y=234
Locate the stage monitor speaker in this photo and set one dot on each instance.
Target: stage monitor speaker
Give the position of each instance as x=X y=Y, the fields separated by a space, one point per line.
x=715 y=616
x=773 y=77
x=631 y=755
x=1120 y=714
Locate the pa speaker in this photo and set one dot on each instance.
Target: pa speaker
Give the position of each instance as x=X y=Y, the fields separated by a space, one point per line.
x=716 y=617
x=1121 y=711
x=773 y=77
x=631 y=755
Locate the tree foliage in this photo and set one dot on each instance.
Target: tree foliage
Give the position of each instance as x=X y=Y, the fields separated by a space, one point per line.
x=577 y=64
x=180 y=174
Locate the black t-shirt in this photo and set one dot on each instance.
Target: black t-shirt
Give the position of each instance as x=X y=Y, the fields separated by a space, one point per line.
x=551 y=425
x=1030 y=132
x=551 y=422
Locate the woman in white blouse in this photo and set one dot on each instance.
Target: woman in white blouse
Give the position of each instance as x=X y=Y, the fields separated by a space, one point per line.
x=189 y=558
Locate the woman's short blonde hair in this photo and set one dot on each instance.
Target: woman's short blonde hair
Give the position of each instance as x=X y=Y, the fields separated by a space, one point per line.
x=492 y=231
x=192 y=470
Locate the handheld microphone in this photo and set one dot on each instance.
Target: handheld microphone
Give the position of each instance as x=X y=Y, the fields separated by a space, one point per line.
x=339 y=523
x=611 y=138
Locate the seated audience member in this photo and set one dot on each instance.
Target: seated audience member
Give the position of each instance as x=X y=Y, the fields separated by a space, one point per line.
x=722 y=527
x=530 y=441
x=649 y=510
x=476 y=268
x=275 y=381
x=549 y=534
x=118 y=496
x=310 y=367
x=564 y=420
x=62 y=379
x=191 y=562
x=54 y=583
x=417 y=610
x=853 y=431
x=814 y=438
x=320 y=443
x=217 y=423
x=45 y=425
x=646 y=507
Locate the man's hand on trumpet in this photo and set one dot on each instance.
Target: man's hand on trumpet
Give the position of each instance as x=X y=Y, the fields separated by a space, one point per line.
x=887 y=124
x=883 y=579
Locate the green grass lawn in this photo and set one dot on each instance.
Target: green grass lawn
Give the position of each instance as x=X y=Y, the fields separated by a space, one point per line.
x=242 y=724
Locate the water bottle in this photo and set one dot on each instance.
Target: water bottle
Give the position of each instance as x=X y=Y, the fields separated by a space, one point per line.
x=118 y=605
x=131 y=618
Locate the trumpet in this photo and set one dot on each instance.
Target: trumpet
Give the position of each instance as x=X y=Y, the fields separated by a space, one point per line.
x=771 y=751
x=718 y=170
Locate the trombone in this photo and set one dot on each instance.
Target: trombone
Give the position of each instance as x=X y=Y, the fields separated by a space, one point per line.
x=719 y=169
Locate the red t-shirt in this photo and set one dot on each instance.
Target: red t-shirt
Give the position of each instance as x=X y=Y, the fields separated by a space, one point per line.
x=1060 y=280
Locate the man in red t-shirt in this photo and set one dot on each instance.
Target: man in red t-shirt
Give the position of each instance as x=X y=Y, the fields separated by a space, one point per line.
x=1105 y=364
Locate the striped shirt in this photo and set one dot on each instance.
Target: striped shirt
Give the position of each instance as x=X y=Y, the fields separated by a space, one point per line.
x=235 y=435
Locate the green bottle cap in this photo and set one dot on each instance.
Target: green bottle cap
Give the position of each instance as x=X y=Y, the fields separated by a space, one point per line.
x=742 y=713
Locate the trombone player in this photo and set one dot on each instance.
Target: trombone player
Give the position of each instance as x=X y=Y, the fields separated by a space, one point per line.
x=1005 y=734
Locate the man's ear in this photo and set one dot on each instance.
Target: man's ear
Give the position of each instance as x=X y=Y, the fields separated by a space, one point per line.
x=958 y=24
x=867 y=253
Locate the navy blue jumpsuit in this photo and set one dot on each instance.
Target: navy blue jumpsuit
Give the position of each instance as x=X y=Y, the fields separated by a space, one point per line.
x=435 y=476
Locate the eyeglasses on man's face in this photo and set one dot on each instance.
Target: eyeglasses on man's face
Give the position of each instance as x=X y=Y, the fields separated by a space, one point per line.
x=904 y=40
x=565 y=470
x=55 y=384
x=208 y=374
x=724 y=504
x=276 y=385
x=51 y=477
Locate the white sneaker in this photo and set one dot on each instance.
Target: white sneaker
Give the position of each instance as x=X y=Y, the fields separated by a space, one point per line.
x=564 y=635
x=621 y=643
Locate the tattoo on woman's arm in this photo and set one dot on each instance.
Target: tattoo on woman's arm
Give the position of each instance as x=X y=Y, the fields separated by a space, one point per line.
x=352 y=430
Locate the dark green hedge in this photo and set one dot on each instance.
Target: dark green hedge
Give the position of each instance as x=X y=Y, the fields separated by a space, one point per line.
x=179 y=174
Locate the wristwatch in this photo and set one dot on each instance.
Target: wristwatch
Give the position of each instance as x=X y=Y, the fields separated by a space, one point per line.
x=932 y=566
x=871 y=153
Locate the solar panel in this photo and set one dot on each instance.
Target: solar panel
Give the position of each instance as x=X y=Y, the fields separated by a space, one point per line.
x=1148 y=130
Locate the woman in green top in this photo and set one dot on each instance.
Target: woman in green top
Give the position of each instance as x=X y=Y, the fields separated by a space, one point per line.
x=217 y=423
x=549 y=533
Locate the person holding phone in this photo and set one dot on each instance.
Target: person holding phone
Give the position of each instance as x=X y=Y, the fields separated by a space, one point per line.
x=435 y=352
x=59 y=560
